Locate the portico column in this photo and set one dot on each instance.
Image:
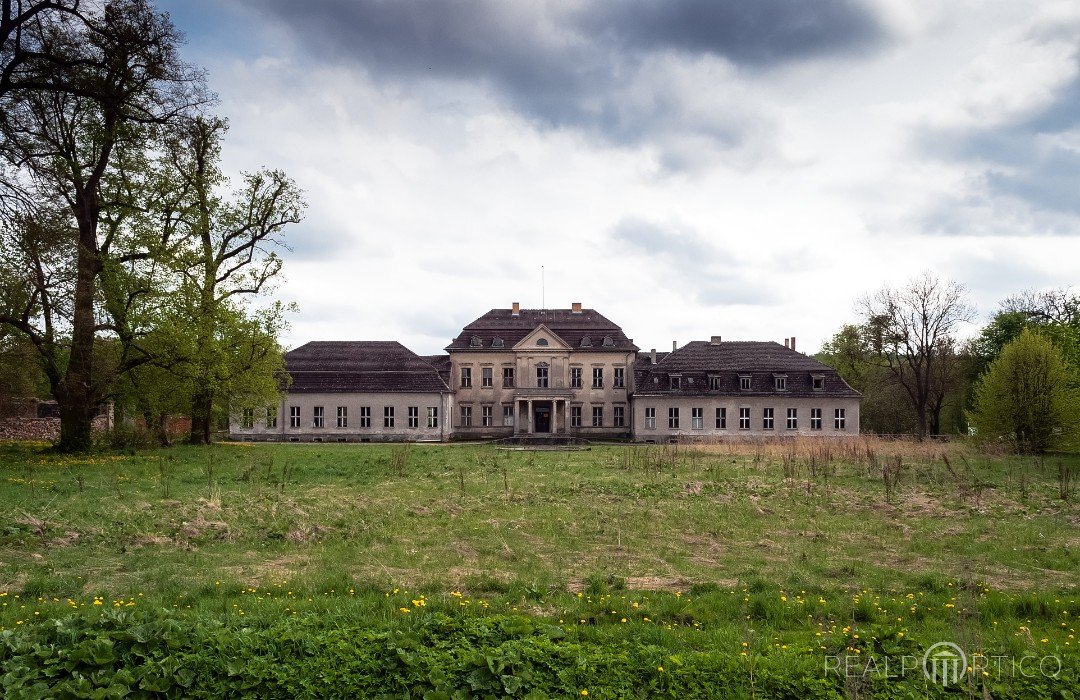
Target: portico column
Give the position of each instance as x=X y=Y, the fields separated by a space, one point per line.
x=517 y=419
x=530 y=417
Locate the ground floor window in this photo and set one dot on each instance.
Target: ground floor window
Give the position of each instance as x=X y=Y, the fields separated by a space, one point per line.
x=840 y=419
x=508 y=415
x=342 y=417
x=650 y=417
x=433 y=417
x=766 y=419
x=318 y=417
x=597 y=416
x=673 y=418
x=697 y=418
x=388 y=417
x=365 y=416
x=414 y=416
x=271 y=416
x=619 y=416
x=575 y=416
x=793 y=419
x=744 y=418
x=247 y=420
x=466 y=416
x=485 y=416
x=815 y=419
x=294 y=416
x=721 y=419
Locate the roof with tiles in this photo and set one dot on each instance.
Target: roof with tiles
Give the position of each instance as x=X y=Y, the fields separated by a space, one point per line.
x=703 y=367
x=583 y=330
x=360 y=366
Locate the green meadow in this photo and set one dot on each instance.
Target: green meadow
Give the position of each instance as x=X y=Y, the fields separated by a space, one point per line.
x=757 y=569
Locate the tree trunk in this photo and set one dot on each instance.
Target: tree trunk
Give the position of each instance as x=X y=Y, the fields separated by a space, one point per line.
x=202 y=408
x=78 y=396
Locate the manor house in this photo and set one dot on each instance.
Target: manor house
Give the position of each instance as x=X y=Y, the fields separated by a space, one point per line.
x=543 y=372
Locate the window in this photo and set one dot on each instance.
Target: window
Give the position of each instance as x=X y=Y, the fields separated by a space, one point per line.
x=721 y=418
x=466 y=377
x=697 y=418
x=342 y=417
x=486 y=378
x=619 y=416
x=840 y=419
x=650 y=417
x=766 y=419
x=433 y=417
x=675 y=381
x=597 y=416
x=780 y=382
x=597 y=377
x=575 y=377
x=414 y=416
x=620 y=378
x=486 y=419
x=508 y=377
x=271 y=416
x=673 y=418
x=317 y=417
x=365 y=416
x=714 y=383
x=497 y=343
x=388 y=416
x=818 y=382
x=744 y=382
x=466 y=416
x=475 y=342
x=586 y=341
x=294 y=416
x=609 y=342
x=542 y=342
x=508 y=415
x=575 y=416
x=247 y=419
x=744 y=418
x=815 y=419
x=542 y=377
x=793 y=419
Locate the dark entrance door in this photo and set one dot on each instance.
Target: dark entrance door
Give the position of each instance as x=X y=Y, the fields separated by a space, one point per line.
x=542 y=417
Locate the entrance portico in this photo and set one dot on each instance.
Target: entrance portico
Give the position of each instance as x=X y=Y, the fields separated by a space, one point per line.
x=544 y=414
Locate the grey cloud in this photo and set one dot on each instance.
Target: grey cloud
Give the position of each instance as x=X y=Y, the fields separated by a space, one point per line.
x=706 y=273
x=580 y=65
x=1020 y=167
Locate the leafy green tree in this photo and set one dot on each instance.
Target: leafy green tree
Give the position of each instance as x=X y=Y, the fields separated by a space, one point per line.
x=82 y=255
x=230 y=260
x=1028 y=397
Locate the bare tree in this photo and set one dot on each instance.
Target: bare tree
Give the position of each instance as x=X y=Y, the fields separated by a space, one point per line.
x=917 y=324
x=24 y=60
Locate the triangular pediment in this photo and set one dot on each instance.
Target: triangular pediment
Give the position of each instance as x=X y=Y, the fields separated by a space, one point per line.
x=541 y=338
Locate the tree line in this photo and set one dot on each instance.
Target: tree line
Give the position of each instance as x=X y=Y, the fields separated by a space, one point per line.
x=131 y=268
x=1016 y=382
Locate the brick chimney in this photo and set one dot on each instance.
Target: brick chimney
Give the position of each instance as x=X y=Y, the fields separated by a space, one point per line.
x=652 y=356
x=516 y=310
x=576 y=307
x=792 y=342
x=786 y=341
x=674 y=345
x=715 y=340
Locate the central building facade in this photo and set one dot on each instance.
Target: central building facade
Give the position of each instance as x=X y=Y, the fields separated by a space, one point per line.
x=538 y=372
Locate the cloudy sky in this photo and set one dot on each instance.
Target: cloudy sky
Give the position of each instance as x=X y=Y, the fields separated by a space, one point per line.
x=686 y=167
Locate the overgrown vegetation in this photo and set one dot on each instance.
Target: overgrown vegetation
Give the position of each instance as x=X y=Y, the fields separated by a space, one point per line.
x=739 y=569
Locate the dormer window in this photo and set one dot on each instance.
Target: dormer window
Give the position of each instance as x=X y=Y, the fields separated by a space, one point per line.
x=609 y=341
x=542 y=342
x=818 y=382
x=497 y=343
x=676 y=381
x=476 y=342
x=780 y=382
x=744 y=382
x=714 y=383
x=586 y=341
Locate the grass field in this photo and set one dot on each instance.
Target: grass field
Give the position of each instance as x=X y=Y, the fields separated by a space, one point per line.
x=803 y=548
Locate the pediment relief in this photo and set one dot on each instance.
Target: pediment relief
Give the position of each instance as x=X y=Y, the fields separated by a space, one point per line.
x=541 y=338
